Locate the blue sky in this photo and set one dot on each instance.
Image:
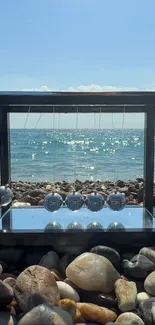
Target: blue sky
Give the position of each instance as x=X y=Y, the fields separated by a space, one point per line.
x=77 y=45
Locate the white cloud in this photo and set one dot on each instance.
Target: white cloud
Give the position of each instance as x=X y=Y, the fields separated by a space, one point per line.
x=85 y=88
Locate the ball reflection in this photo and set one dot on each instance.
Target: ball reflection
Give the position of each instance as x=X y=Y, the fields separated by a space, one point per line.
x=75 y=226
x=94 y=226
x=115 y=226
x=94 y=202
x=74 y=201
x=116 y=202
x=53 y=226
x=5 y=196
x=53 y=202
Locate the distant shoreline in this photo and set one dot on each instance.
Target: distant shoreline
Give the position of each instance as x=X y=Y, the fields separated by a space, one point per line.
x=33 y=193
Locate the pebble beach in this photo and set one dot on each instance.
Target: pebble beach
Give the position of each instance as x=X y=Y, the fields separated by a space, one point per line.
x=100 y=286
x=33 y=193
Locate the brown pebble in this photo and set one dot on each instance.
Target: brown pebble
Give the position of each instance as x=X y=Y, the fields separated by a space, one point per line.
x=34 y=286
x=69 y=306
x=92 y=312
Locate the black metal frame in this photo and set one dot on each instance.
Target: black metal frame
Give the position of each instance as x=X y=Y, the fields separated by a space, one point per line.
x=67 y=102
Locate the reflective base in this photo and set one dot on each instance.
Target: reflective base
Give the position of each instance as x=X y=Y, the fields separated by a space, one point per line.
x=36 y=226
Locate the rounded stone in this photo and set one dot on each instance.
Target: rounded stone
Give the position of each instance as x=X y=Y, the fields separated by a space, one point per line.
x=148 y=252
x=149 y=283
x=50 y=260
x=129 y=319
x=66 y=291
x=92 y=272
x=34 y=286
x=92 y=312
x=139 y=267
x=146 y=310
x=126 y=294
x=46 y=314
x=69 y=306
x=111 y=254
x=11 y=281
x=142 y=296
x=6 y=293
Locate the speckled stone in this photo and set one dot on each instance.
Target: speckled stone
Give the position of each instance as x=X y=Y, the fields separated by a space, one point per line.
x=50 y=260
x=46 y=314
x=92 y=312
x=111 y=254
x=129 y=319
x=34 y=286
x=139 y=267
x=149 y=284
x=126 y=293
x=146 y=310
x=92 y=272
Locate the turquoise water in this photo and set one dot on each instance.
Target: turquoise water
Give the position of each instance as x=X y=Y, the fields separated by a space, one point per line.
x=56 y=155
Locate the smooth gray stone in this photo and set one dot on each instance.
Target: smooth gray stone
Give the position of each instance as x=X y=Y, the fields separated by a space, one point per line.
x=139 y=267
x=146 y=310
x=111 y=254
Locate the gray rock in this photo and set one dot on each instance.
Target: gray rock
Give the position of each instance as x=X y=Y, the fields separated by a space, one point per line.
x=46 y=314
x=10 y=255
x=139 y=267
x=50 y=260
x=111 y=254
x=146 y=310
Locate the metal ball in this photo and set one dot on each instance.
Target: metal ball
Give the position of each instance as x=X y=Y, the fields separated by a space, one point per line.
x=94 y=226
x=53 y=202
x=53 y=226
x=74 y=201
x=116 y=202
x=74 y=226
x=5 y=196
x=94 y=202
x=116 y=226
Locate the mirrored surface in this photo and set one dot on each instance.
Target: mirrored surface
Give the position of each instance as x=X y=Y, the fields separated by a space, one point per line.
x=132 y=218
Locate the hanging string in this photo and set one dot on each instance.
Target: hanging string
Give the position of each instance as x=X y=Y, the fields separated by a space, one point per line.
x=122 y=128
x=75 y=153
x=27 y=116
x=54 y=142
x=40 y=116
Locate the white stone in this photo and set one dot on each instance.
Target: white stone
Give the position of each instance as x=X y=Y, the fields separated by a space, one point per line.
x=66 y=291
x=92 y=272
x=142 y=296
